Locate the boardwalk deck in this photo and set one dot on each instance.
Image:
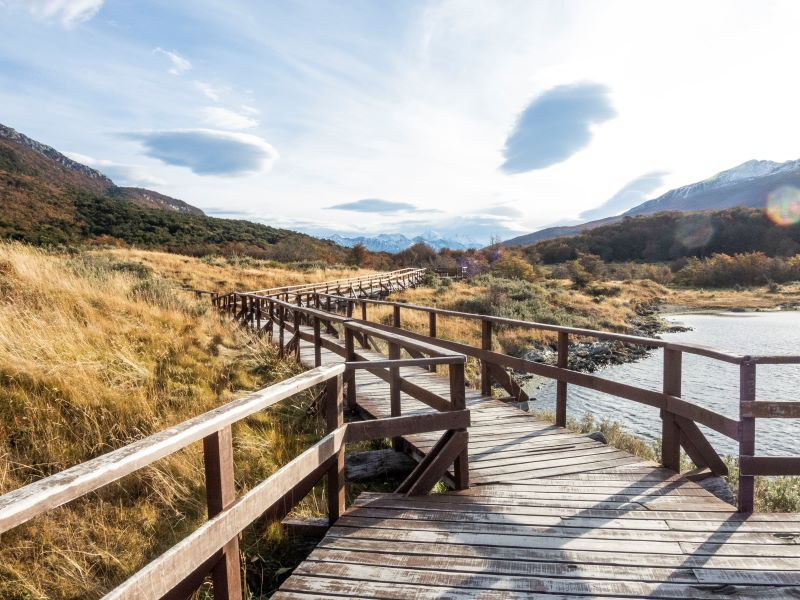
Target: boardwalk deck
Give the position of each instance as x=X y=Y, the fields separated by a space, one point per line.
x=550 y=514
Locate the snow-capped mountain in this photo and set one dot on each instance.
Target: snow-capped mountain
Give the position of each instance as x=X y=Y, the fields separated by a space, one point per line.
x=748 y=184
x=397 y=242
x=745 y=185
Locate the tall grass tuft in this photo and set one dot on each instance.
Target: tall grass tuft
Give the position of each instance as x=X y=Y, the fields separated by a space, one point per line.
x=99 y=350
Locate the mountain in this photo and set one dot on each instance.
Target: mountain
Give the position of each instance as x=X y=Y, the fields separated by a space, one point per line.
x=745 y=185
x=748 y=185
x=23 y=154
x=558 y=231
x=49 y=199
x=397 y=242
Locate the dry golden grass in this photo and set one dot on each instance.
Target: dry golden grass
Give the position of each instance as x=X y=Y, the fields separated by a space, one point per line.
x=229 y=274
x=762 y=297
x=96 y=352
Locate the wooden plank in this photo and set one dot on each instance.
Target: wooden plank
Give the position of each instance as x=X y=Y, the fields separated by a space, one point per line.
x=747 y=434
x=561 y=386
x=769 y=465
x=670 y=432
x=517 y=568
x=334 y=416
x=699 y=448
x=435 y=469
x=770 y=410
x=558 y=555
x=388 y=427
x=221 y=494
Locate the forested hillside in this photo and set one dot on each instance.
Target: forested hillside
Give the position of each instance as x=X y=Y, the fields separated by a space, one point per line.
x=48 y=199
x=671 y=235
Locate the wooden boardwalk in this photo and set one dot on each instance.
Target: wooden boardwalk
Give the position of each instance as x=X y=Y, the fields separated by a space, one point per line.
x=549 y=514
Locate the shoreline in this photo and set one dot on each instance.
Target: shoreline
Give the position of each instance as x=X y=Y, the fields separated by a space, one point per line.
x=590 y=357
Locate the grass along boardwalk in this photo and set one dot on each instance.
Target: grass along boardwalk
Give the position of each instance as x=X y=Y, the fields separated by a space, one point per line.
x=549 y=512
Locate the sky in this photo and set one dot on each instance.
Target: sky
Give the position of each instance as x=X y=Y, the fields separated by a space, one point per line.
x=470 y=119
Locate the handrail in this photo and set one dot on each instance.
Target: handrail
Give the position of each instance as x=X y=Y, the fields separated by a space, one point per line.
x=679 y=417
x=303 y=287
x=213 y=547
x=605 y=335
x=40 y=496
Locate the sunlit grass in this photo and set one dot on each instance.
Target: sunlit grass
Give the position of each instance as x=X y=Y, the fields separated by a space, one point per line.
x=96 y=351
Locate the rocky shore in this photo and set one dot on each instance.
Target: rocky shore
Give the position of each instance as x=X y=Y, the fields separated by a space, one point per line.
x=592 y=355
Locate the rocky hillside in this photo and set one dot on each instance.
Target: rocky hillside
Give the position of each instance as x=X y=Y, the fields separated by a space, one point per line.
x=26 y=156
x=48 y=198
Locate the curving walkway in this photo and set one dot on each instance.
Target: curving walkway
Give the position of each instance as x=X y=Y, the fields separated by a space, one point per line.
x=549 y=514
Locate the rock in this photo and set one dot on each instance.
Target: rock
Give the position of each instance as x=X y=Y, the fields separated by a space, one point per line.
x=378 y=464
x=598 y=436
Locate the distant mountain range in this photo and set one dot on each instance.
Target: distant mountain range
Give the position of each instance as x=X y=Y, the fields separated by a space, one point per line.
x=397 y=242
x=48 y=198
x=746 y=185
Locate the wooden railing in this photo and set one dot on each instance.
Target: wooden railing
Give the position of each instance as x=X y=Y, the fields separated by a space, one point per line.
x=352 y=285
x=680 y=418
x=213 y=548
x=280 y=320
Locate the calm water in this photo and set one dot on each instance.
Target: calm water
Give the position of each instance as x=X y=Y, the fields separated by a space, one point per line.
x=706 y=382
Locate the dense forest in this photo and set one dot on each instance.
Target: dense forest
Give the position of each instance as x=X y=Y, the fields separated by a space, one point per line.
x=668 y=236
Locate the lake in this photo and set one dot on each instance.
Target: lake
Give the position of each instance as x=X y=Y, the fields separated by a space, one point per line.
x=706 y=382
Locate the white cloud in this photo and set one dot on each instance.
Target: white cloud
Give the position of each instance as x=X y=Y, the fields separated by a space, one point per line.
x=119 y=173
x=68 y=12
x=209 y=151
x=224 y=118
x=209 y=91
x=179 y=63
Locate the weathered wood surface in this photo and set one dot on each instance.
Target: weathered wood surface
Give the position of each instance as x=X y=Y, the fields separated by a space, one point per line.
x=550 y=514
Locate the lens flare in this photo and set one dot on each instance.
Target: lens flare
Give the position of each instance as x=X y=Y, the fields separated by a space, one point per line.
x=783 y=205
x=695 y=231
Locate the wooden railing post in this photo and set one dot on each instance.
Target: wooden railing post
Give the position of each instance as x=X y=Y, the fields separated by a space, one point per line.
x=432 y=333
x=394 y=392
x=397 y=315
x=271 y=309
x=350 y=356
x=281 y=328
x=561 y=386
x=364 y=310
x=747 y=433
x=670 y=431
x=296 y=324
x=458 y=400
x=317 y=343
x=334 y=410
x=220 y=494
x=486 y=344
x=349 y=312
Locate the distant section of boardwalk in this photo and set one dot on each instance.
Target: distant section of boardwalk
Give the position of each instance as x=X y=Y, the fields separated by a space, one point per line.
x=550 y=514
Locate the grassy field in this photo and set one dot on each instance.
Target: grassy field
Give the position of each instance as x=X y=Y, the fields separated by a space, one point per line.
x=98 y=350
x=225 y=274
